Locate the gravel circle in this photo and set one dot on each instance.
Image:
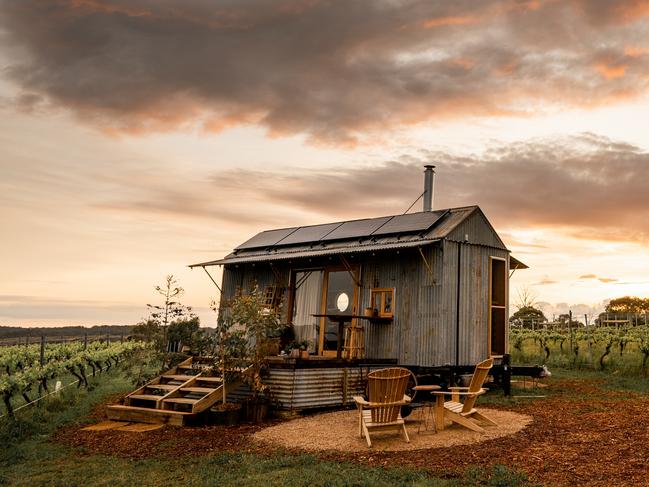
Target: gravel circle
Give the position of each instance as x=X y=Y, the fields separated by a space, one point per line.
x=338 y=431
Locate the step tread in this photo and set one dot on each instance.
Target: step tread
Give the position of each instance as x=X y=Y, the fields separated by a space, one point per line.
x=181 y=400
x=164 y=387
x=156 y=412
x=199 y=390
x=145 y=397
x=210 y=379
x=181 y=377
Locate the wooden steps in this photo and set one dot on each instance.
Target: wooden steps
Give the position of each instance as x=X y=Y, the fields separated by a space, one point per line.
x=181 y=396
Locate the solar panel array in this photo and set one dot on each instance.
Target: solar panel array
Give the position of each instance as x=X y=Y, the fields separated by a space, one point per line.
x=266 y=239
x=312 y=233
x=387 y=225
x=356 y=228
x=412 y=222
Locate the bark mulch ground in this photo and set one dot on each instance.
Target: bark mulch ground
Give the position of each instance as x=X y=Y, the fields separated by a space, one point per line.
x=581 y=434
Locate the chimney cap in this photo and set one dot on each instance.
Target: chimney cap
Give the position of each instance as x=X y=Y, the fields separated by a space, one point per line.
x=429 y=166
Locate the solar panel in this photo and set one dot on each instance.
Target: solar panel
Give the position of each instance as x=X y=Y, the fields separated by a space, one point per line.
x=412 y=222
x=312 y=233
x=266 y=239
x=356 y=229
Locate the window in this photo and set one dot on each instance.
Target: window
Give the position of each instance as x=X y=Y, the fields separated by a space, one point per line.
x=383 y=302
x=273 y=297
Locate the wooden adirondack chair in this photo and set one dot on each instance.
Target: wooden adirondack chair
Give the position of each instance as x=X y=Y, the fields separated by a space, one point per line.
x=386 y=390
x=464 y=413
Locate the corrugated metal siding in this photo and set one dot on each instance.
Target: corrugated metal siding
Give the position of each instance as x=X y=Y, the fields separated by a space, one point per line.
x=478 y=230
x=381 y=340
x=474 y=300
x=311 y=388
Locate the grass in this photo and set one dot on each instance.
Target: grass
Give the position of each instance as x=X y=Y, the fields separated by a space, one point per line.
x=29 y=457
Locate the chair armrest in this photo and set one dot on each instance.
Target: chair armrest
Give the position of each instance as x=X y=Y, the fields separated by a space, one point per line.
x=457 y=388
x=360 y=401
x=459 y=393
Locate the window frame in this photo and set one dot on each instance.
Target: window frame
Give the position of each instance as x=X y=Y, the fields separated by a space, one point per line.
x=379 y=306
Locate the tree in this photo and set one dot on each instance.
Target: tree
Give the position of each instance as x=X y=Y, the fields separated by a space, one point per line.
x=628 y=304
x=172 y=309
x=188 y=332
x=527 y=298
x=528 y=314
x=244 y=335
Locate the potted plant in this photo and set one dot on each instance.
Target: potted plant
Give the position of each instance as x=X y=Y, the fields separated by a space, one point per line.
x=230 y=350
x=298 y=349
x=251 y=332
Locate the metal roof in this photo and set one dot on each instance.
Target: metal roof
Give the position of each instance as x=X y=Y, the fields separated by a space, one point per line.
x=370 y=234
x=317 y=251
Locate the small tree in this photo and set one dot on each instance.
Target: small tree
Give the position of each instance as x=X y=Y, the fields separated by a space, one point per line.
x=230 y=342
x=246 y=329
x=171 y=310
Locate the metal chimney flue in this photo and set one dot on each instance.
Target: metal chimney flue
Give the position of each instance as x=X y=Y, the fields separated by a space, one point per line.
x=429 y=182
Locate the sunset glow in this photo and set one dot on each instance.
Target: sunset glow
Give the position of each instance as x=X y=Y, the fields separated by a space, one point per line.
x=138 y=137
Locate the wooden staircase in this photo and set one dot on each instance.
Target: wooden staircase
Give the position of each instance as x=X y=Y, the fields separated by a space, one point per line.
x=174 y=397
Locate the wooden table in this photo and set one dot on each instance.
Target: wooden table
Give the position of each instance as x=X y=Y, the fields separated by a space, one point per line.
x=341 y=319
x=428 y=404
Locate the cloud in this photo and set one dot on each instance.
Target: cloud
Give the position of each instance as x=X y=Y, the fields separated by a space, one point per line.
x=545 y=282
x=555 y=183
x=605 y=280
x=336 y=71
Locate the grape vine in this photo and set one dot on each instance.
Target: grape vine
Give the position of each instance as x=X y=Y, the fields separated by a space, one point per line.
x=21 y=370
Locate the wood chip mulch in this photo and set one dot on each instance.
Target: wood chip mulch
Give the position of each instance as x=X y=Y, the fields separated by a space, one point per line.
x=581 y=434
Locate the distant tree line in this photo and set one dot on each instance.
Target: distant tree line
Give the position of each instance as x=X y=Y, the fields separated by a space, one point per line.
x=67 y=331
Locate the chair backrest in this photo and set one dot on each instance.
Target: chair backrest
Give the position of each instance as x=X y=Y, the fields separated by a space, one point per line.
x=479 y=375
x=386 y=386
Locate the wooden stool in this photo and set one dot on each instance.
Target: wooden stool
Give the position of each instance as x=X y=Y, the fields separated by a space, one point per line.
x=428 y=412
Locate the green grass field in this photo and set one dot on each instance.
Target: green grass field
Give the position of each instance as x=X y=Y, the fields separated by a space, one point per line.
x=29 y=456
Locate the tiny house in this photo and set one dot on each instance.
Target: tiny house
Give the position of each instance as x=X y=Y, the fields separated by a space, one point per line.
x=422 y=290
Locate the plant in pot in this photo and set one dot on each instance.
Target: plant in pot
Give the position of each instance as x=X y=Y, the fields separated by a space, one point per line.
x=263 y=327
x=230 y=354
x=298 y=349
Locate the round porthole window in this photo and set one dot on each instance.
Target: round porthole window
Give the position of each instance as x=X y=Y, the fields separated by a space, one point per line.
x=342 y=303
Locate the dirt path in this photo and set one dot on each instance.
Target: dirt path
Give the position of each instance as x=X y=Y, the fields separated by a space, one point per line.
x=580 y=435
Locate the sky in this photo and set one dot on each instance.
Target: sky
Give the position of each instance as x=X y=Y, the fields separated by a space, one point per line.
x=140 y=136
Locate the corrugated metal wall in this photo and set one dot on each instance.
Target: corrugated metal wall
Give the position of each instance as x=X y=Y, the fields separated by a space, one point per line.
x=311 y=388
x=476 y=229
x=474 y=300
